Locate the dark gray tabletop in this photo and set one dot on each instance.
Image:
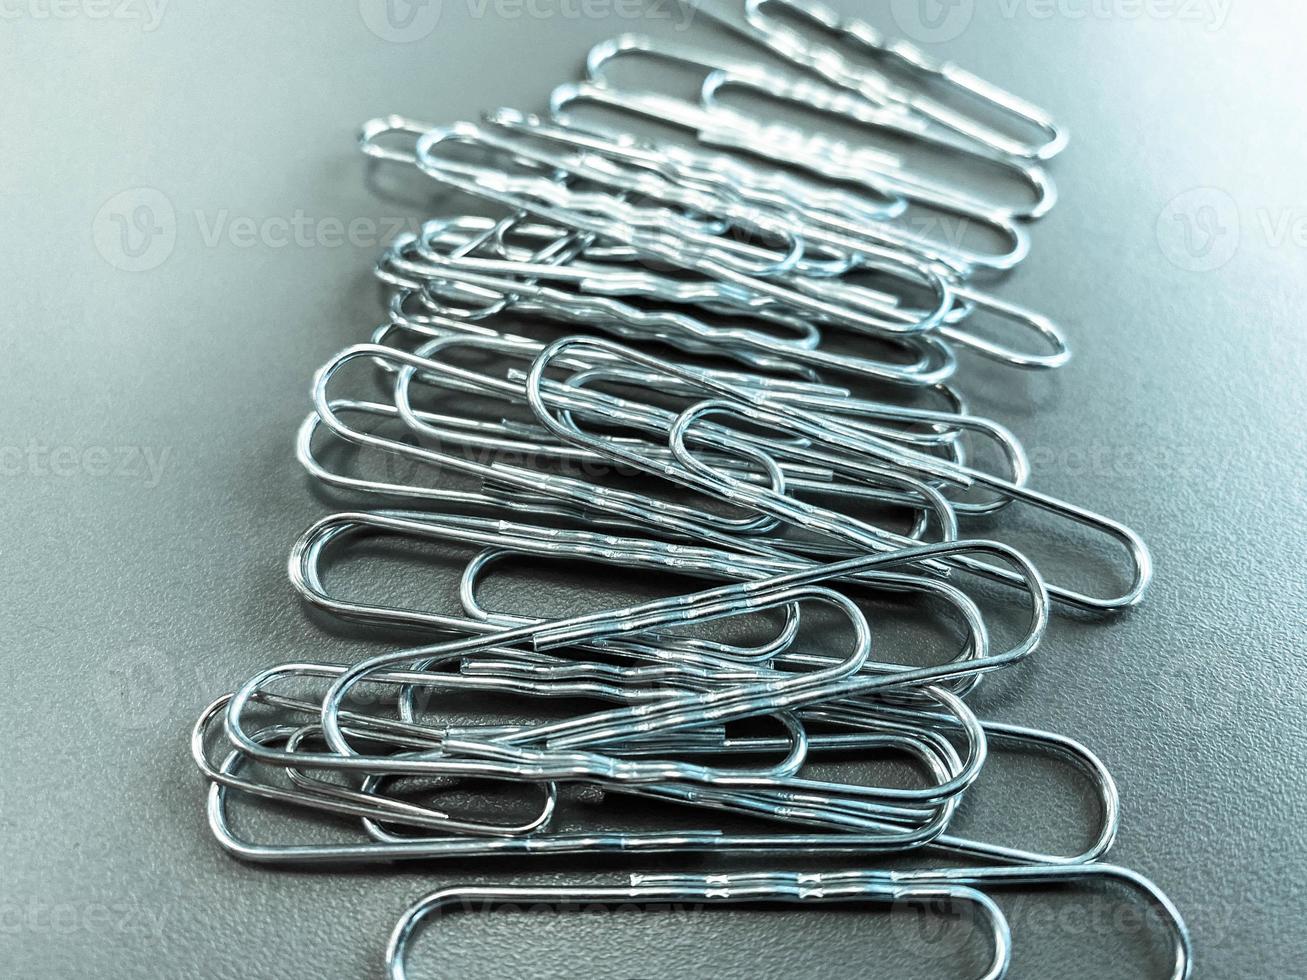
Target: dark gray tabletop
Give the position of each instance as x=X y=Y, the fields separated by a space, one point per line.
x=188 y=234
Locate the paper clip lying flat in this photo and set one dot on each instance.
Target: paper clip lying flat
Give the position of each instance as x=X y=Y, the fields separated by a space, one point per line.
x=588 y=295
x=437 y=440
x=850 y=245
x=819 y=681
x=721 y=399
x=960 y=885
x=837 y=438
x=462 y=838
x=751 y=19
x=448 y=250
x=722 y=890
x=752 y=280
x=816 y=156
x=827 y=229
x=879 y=167
x=661 y=234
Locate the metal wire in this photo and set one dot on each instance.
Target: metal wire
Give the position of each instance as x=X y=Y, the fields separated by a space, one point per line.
x=759 y=419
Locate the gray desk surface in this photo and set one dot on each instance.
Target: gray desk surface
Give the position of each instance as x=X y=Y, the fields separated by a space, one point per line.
x=149 y=493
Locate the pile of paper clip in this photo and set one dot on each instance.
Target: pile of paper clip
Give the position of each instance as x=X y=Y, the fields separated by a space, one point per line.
x=762 y=323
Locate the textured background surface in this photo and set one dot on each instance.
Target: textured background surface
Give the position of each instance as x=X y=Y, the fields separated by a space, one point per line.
x=149 y=494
